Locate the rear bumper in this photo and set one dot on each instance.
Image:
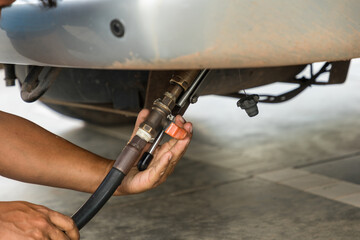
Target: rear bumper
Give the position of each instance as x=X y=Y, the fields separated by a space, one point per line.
x=180 y=34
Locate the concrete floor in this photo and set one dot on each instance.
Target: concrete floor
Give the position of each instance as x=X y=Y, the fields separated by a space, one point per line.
x=290 y=173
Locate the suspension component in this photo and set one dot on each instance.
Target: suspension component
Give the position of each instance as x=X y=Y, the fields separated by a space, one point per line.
x=10 y=76
x=37 y=82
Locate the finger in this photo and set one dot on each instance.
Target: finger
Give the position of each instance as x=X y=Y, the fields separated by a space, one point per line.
x=147 y=179
x=57 y=234
x=180 y=121
x=53 y=231
x=64 y=223
x=56 y=230
x=158 y=170
x=140 y=118
x=179 y=146
x=178 y=151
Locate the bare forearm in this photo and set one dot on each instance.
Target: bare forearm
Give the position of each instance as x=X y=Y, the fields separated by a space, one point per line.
x=31 y=154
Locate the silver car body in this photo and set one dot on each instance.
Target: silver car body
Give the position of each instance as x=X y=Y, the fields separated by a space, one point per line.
x=180 y=34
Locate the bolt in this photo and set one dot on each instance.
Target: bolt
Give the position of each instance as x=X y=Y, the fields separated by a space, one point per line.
x=10 y=82
x=194 y=99
x=9 y=75
x=117 y=28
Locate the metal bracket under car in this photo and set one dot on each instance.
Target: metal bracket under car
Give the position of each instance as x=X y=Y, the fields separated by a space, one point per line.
x=338 y=72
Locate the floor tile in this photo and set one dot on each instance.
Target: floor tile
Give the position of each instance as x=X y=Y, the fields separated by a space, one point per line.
x=346 y=169
x=353 y=199
x=336 y=190
x=307 y=181
x=283 y=174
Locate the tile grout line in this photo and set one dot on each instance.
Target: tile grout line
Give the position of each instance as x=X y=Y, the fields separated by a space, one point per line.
x=338 y=158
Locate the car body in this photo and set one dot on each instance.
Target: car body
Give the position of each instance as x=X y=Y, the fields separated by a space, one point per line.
x=115 y=53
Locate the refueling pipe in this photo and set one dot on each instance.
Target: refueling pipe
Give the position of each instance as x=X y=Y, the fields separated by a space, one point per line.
x=156 y=122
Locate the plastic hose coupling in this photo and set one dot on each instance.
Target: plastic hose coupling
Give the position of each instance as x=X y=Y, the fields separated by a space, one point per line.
x=176 y=132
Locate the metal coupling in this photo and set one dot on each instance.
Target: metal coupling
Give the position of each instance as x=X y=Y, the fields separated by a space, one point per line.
x=143 y=134
x=184 y=78
x=130 y=154
x=162 y=108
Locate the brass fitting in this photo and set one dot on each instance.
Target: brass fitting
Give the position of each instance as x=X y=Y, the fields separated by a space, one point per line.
x=184 y=78
x=157 y=118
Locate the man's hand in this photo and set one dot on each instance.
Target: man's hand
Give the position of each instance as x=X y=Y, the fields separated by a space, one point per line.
x=162 y=165
x=23 y=221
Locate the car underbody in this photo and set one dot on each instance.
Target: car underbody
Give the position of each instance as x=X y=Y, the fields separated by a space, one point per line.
x=101 y=61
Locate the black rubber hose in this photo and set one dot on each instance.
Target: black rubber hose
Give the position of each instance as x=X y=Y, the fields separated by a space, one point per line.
x=99 y=198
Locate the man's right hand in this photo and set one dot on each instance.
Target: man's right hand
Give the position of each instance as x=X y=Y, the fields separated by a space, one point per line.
x=23 y=220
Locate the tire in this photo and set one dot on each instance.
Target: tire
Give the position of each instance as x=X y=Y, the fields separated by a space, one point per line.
x=115 y=89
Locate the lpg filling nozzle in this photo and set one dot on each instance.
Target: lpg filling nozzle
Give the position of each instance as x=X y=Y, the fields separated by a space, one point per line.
x=180 y=84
